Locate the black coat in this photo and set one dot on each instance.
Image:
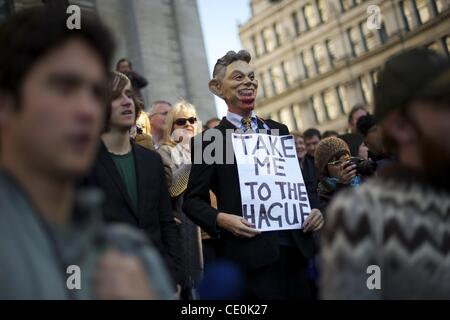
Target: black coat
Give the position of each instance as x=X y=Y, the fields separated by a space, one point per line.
x=154 y=215
x=223 y=180
x=311 y=177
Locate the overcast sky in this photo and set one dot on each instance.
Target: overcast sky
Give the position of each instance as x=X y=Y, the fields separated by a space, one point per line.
x=220 y=20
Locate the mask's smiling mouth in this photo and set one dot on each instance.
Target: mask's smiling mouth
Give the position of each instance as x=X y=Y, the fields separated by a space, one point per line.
x=247 y=96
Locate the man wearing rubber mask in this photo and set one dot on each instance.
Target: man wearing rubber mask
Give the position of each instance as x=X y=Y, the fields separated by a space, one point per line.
x=273 y=263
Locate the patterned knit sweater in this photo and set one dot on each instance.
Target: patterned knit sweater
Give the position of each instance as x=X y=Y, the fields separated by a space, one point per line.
x=402 y=227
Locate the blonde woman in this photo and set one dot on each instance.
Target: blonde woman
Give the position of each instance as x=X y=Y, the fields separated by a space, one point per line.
x=181 y=125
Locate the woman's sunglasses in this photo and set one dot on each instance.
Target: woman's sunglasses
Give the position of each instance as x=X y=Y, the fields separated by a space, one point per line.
x=182 y=121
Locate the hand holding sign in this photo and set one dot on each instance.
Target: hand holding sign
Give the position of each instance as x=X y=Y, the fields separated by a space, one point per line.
x=314 y=222
x=238 y=226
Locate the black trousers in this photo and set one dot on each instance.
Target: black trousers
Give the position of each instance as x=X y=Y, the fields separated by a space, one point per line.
x=286 y=279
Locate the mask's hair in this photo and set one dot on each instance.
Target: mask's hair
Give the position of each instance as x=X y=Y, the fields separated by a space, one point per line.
x=229 y=58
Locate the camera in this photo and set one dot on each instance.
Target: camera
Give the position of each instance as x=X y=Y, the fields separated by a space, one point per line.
x=363 y=167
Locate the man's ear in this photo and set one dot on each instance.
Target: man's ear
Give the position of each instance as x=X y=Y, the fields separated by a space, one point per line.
x=215 y=86
x=399 y=128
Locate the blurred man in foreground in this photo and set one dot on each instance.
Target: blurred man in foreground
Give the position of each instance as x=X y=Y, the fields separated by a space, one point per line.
x=51 y=111
x=389 y=239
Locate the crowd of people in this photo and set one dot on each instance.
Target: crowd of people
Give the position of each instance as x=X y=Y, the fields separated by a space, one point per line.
x=88 y=178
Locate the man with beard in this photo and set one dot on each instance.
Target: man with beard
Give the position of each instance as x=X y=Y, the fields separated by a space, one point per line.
x=274 y=263
x=389 y=239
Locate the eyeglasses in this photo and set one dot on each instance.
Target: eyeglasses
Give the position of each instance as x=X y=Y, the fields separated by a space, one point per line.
x=182 y=121
x=336 y=163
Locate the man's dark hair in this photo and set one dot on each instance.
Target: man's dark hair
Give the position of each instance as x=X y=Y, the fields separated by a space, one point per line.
x=356 y=107
x=365 y=123
x=228 y=59
x=330 y=133
x=311 y=133
x=354 y=141
x=32 y=33
x=123 y=60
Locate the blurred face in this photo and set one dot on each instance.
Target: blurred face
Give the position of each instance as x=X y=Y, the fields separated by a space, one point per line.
x=57 y=129
x=124 y=67
x=363 y=151
x=123 y=112
x=355 y=117
x=300 y=147
x=183 y=126
x=311 y=144
x=433 y=122
x=239 y=87
x=158 y=117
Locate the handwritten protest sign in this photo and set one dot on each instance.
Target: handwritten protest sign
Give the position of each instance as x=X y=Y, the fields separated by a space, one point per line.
x=272 y=188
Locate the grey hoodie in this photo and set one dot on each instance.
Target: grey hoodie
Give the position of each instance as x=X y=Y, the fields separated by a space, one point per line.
x=35 y=255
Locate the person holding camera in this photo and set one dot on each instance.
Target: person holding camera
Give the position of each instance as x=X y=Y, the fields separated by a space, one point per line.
x=336 y=168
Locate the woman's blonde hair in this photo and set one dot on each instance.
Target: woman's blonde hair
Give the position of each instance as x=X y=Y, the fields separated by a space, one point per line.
x=179 y=107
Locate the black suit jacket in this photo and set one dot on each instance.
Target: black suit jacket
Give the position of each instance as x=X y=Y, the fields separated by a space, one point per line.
x=223 y=180
x=154 y=214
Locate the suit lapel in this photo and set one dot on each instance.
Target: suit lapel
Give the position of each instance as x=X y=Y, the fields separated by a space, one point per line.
x=226 y=124
x=108 y=163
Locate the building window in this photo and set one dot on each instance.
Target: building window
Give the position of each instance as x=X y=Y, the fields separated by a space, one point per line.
x=310 y=16
x=262 y=81
x=319 y=113
x=422 y=10
x=434 y=46
x=287 y=74
x=276 y=31
x=269 y=41
x=319 y=58
x=382 y=32
x=255 y=46
x=296 y=23
x=331 y=51
x=296 y=109
x=286 y=118
x=323 y=10
x=277 y=79
x=374 y=76
x=267 y=82
x=331 y=104
x=438 y=5
x=308 y=63
x=446 y=40
x=366 y=89
x=406 y=15
x=347 y=4
x=343 y=101
x=368 y=37
x=272 y=82
x=354 y=37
